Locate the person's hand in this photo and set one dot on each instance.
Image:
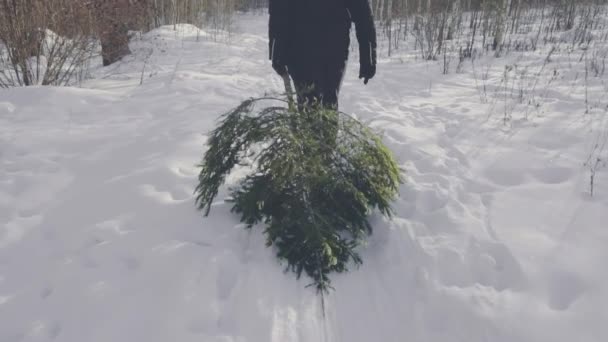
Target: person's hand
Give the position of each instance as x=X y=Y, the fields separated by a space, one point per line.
x=280 y=68
x=367 y=71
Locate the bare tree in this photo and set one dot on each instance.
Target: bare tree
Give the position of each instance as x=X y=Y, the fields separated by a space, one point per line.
x=500 y=10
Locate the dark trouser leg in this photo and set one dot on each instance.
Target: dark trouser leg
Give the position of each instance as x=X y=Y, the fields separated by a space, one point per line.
x=308 y=94
x=319 y=85
x=330 y=86
x=330 y=89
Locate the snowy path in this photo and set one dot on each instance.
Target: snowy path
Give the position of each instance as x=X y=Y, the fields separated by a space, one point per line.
x=495 y=239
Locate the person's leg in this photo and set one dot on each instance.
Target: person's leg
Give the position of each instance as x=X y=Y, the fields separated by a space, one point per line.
x=331 y=83
x=308 y=94
x=306 y=82
x=320 y=86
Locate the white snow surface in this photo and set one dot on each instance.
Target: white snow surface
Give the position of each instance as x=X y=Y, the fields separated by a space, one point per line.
x=496 y=236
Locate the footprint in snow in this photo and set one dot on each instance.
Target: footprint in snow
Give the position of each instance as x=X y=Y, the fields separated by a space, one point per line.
x=429 y=201
x=42 y=329
x=5 y=299
x=553 y=175
x=115 y=226
x=486 y=263
x=227 y=277
x=184 y=171
x=170 y=247
x=505 y=177
x=564 y=289
x=46 y=292
x=176 y=195
x=54 y=330
x=7 y=107
x=493 y=264
x=131 y=263
x=89 y=263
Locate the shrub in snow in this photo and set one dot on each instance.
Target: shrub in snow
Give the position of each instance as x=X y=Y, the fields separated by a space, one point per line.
x=44 y=42
x=316 y=177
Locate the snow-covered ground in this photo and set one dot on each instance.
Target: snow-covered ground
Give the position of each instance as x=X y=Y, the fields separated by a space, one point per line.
x=496 y=236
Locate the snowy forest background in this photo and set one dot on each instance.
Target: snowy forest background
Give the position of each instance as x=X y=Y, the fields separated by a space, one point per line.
x=58 y=42
x=53 y=41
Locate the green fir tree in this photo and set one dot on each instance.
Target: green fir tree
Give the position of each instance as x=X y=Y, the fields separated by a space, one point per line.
x=317 y=177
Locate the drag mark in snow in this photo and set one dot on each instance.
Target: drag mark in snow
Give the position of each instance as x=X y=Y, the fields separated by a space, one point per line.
x=284 y=322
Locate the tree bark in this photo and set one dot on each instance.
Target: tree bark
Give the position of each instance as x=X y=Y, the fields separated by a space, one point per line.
x=501 y=8
x=112 y=28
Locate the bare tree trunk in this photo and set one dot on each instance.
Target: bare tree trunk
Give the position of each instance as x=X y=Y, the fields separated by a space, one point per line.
x=389 y=25
x=571 y=14
x=380 y=14
x=514 y=12
x=501 y=8
x=456 y=16
x=114 y=19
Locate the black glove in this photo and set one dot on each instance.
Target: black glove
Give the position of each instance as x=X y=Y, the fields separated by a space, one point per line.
x=367 y=61
x=367 y=71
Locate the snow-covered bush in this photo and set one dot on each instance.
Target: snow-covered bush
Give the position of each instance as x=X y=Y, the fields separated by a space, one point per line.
x=44 y=42
x=316 y=178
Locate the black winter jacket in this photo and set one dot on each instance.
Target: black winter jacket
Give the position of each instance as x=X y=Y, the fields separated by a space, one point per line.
x=305 y=34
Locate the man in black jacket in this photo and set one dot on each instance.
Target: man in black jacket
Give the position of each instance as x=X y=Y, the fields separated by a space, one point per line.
x=309 y=40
